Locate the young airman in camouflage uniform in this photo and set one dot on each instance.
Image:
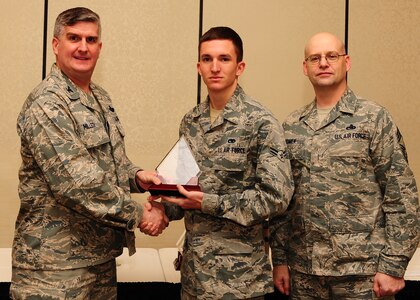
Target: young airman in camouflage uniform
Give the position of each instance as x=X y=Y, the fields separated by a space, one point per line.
x=245 y=179
x=352 y=225
x=76 y=213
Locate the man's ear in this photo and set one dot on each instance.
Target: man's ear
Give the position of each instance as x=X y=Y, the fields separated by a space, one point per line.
x=348 y=63
x=55 y=44
x=240 y=68
x=305 y=68
x=198 y=68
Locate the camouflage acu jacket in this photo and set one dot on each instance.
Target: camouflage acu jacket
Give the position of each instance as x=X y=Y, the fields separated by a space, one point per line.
x=75 y=179
x=355 y=207
x=245 y=179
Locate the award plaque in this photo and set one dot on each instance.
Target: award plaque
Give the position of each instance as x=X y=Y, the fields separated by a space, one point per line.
x=177 y=167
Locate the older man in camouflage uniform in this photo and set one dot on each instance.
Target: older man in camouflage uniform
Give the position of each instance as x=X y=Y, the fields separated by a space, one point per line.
x=245 y=179
x=352 y=225
x=76 y=213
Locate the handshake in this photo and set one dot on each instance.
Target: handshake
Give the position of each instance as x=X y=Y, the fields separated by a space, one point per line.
x=154 y=219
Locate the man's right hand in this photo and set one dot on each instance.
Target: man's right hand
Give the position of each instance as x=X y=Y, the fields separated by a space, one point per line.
x=154 y=219
x=281 y=278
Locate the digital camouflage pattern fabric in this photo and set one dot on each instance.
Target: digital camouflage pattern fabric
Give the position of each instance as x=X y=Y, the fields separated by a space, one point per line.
x=351 y=287
x=355 y=206
x=75 y=179
x=96 y=282
x=245 y=177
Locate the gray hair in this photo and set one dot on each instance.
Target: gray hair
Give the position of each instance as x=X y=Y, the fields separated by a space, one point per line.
x=74 y=15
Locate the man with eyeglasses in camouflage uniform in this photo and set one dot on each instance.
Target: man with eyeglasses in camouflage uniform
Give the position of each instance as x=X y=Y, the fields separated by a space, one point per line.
x=352 y=225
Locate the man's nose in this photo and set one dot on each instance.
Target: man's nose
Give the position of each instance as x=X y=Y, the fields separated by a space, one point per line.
x=83 y=45
x=323 y=61
x=215 y=65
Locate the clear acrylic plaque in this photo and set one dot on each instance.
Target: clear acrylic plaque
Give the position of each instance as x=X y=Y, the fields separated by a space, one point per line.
x=177 y=167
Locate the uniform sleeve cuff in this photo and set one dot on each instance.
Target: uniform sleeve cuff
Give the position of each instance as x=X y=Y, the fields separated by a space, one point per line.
x=210 y=204
x=278 y=258
x=134 y=222
x=391 y=267
x=134 y=186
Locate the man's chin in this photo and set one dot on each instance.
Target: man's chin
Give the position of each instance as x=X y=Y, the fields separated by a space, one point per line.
x=85 y=71
x=83 y=66
x=324 y=83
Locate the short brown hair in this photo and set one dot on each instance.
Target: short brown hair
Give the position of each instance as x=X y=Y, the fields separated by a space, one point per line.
x=224 y=33
x=74 y=15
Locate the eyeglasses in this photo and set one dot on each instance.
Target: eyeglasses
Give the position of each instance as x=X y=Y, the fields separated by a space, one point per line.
x=330 y=57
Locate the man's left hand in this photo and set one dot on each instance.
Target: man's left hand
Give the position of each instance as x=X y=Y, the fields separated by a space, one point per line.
x=192 y=199
x=386 y=285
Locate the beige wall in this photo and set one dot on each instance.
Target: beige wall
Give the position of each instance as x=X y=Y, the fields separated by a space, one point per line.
x=21 y=32
x=148 y=66
x=384 y=43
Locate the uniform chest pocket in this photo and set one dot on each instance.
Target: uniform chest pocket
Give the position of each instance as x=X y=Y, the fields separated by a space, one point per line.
x=90 y=129
x=230 y=172
x=92 y=133
x=349 y=166
x=349 y=157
